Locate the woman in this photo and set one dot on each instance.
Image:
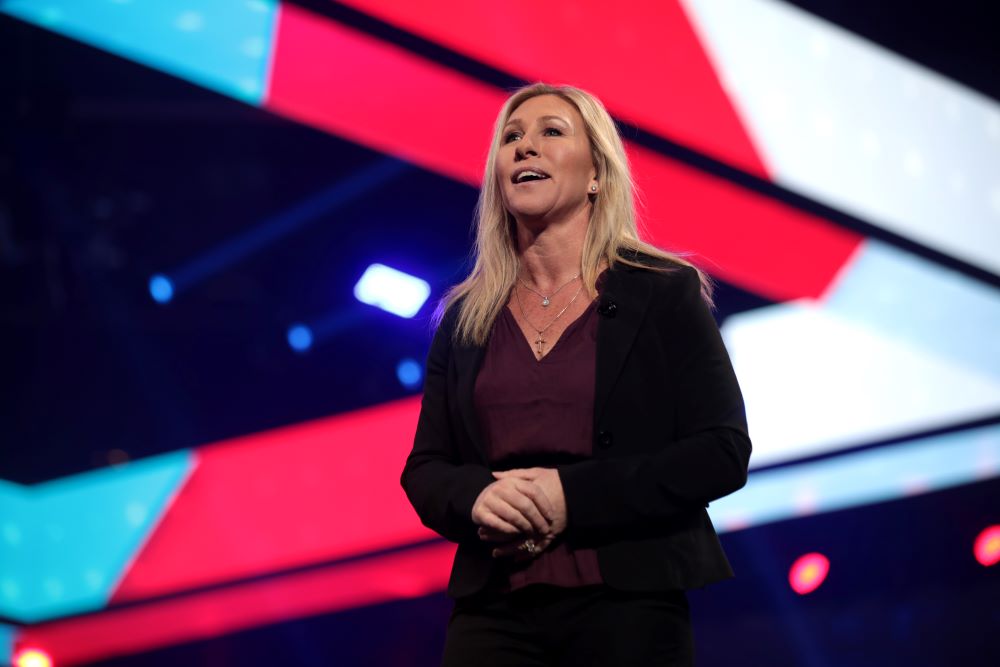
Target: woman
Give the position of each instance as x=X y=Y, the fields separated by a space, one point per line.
x=580 y=411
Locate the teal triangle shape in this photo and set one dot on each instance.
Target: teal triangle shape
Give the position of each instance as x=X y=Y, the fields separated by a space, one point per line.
x=65 y=544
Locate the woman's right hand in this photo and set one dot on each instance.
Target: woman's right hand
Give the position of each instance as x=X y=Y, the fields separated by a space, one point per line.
x=514 y=506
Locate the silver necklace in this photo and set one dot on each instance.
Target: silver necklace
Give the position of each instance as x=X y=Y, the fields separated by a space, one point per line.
x=539 y=341
x=546 y=300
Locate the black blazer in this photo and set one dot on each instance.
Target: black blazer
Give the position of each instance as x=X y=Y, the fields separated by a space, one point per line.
x=670 y=436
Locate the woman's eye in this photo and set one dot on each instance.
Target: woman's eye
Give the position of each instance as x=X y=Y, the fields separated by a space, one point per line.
x=513 y=135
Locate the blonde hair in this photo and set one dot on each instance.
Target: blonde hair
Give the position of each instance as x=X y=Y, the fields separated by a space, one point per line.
x=611 y=233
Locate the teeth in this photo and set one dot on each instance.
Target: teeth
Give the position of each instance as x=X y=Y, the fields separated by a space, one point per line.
x=525 y=174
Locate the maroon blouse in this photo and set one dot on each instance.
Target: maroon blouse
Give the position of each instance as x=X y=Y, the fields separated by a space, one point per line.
x=540 y=412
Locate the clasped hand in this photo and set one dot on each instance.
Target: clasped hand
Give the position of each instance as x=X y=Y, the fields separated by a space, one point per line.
x=524 y=503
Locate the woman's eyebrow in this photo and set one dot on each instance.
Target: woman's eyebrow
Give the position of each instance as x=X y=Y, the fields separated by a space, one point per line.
x=517 y=121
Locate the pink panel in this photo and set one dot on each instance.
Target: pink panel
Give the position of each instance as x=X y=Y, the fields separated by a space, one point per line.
x=752 y=241
x=342 y=81
x=411 y=573
x=294 y=496
x=642 y=58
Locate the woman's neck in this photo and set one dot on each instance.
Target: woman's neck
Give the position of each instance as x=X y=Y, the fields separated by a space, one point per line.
x=551 y=256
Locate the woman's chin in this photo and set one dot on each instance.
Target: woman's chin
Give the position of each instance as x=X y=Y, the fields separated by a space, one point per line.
x=531 y=219
x=526 y=209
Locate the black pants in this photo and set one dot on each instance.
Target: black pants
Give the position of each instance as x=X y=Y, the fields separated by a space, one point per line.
x=550 y=626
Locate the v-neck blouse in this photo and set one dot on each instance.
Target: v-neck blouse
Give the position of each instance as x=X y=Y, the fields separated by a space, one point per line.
x=540 y=412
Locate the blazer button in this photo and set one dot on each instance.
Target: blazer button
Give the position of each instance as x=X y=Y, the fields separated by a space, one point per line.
x=605 y=439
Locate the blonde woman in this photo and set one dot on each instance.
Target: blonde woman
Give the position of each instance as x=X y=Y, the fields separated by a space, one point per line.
x=580 y=411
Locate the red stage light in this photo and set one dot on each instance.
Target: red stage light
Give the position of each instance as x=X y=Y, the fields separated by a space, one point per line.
x=808 y=572
x=987 y=546
x=31 y=657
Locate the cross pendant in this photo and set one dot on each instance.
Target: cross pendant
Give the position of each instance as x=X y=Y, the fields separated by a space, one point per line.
x=538 y=343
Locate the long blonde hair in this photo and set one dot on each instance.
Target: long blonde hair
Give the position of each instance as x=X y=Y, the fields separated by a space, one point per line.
x=612 y=230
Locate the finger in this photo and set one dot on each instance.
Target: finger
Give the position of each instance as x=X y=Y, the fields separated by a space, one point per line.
x=498 y=524
x=494 y=503
x=506 y=508
x=539 y=503
x=520 y=473
x=490 y=535
x=526 y=507
x=483 y=515
x=508 y=550
x=537 y=496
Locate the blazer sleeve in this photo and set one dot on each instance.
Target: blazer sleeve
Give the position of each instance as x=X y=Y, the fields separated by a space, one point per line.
x=441 y=488
x=708 y=458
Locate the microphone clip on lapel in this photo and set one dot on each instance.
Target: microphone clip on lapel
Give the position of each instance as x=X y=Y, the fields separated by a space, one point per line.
x=608 y=308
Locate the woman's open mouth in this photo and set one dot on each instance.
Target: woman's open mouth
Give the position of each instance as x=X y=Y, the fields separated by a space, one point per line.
x=527 y=175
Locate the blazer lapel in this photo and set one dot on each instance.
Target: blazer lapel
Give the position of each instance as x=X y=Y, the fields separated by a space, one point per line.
x=623 y=304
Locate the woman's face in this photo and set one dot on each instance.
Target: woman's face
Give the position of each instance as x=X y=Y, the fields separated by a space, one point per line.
x=545 y=134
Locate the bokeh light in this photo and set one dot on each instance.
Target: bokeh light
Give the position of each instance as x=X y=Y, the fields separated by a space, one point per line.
x=808 y=572
x=409 y=373
x=987 y=546
x=391 y=290
x=300 y=337
x=161 y=288
x=31 y=657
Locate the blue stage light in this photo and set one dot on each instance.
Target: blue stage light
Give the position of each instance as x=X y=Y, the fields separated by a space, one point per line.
x=161 y=288
x=409 y=373
x=300 y=337
x=391 y=290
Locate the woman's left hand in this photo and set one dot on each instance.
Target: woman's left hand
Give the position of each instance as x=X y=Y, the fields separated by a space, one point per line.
x=551 y=485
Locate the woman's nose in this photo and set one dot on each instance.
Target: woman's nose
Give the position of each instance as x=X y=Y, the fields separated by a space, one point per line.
x=524 y=147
